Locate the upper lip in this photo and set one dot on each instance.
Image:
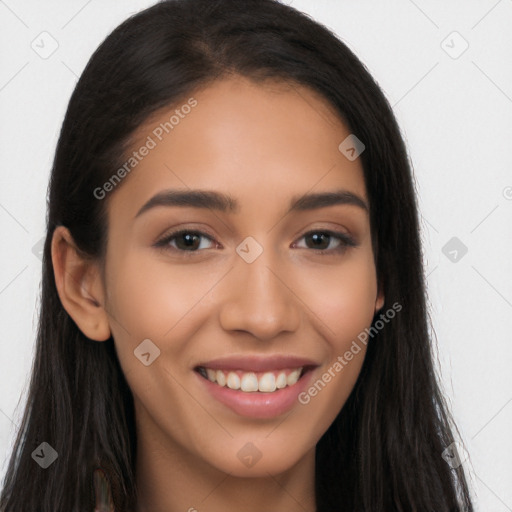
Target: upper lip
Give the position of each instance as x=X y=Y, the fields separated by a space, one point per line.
x=257 y=363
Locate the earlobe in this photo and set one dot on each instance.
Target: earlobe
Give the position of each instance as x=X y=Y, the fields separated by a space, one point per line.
x=379 y=302
x=79 y=286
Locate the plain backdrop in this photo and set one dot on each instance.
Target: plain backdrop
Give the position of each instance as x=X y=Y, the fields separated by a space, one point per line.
x=446 y=70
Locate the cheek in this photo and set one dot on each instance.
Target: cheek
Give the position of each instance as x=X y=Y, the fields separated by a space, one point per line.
x=152 y=300
x=150 y=297
x=155 y=301
x=343 y=298
x=345 y=304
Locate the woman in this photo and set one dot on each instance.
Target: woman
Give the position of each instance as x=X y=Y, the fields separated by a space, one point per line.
x=233 y=309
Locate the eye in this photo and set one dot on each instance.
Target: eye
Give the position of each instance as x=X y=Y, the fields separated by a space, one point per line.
x=321 y=239
x=185 y=240
x=190 y=241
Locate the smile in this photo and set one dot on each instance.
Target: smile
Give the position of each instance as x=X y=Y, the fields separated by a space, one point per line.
x=253 y=385
x=251 y=382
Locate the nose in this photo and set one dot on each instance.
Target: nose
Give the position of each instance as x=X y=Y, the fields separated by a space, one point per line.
x=259 y=299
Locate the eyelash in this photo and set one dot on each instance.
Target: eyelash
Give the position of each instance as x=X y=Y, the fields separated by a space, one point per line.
x=346 y=241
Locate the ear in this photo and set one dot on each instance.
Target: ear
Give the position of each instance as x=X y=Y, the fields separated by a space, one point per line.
x=79 y=286
x=379 y=302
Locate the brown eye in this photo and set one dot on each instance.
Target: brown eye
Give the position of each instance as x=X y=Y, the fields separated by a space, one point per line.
x=184 y=240
x=321 y=240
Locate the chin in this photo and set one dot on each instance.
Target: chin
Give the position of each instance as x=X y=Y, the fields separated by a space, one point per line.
x=255 y=460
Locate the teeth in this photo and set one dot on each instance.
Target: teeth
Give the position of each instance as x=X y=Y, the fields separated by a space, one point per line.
x=281 y=381
x=233 y=381
x=293 y=377
x=221 y=378
x=249 y=382
x=267 y=382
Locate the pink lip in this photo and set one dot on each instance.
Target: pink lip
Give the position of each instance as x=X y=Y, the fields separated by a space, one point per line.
x=258 y=404
x=257 y=363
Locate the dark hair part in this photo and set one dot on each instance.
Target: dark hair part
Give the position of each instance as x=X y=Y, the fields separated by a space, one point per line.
x=383 y=451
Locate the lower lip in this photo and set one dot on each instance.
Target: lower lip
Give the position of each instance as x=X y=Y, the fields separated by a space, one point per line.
x=258 y=404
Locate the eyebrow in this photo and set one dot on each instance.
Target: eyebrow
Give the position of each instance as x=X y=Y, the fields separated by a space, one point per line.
x=225 y=203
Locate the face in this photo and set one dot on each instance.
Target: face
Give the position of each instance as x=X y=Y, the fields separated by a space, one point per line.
x=244 y=285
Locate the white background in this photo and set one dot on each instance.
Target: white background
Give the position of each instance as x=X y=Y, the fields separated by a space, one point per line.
x=456 y=116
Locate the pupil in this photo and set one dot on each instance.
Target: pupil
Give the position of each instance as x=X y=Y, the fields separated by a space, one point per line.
x=188 y=238
x=318 y=238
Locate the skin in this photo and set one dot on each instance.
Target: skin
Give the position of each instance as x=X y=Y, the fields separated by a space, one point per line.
x=263 y=144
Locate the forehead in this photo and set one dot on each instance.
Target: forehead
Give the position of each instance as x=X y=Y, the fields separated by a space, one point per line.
x=260 y=142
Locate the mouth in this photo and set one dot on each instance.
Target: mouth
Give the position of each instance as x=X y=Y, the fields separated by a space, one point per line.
x=256 y=386
x=254 y=381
